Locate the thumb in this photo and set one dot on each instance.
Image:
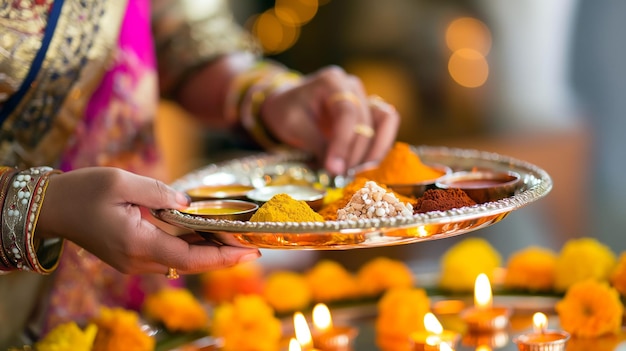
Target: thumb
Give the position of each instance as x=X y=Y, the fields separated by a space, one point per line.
x=152 y=193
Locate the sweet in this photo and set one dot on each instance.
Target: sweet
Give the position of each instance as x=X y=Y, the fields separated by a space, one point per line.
x=373 y=201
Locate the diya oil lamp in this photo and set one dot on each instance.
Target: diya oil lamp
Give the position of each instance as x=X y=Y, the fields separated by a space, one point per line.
x=328 y=337
x=542 y=339
x=434 y=337
x=484 y=317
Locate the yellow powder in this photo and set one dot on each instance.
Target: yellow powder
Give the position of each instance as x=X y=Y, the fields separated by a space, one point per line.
x=284 y=208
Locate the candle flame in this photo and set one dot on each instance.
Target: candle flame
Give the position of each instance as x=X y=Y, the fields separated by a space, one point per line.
x=303 y=333
x=482 y=292
x=431 y=323
x=294 y=345
x=540 y=321
x=321 y=317
x=445 y=347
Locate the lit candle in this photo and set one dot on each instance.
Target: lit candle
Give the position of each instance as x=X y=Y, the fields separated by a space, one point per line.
x=484 y=317
x=434 y=336
x=542 y=339
x=328 y=337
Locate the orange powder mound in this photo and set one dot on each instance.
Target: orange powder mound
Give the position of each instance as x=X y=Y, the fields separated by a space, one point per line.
x=401 y=165
x=329 y=211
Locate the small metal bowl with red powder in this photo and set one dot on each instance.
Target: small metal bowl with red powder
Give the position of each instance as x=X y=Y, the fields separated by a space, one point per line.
x=482 y=185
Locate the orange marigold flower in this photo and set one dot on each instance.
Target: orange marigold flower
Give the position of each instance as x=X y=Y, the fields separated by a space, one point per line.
x=330 y=281
x=247 y=324
x=382 y=273
x=222 y=285
x=531 y=269
x=590 y=308
x=464 y=261
x=582 y=259
x=400 y=312
x=68 y=337
x=287 y=291
x=119 y=329
x=618 y=276
x=177 y=309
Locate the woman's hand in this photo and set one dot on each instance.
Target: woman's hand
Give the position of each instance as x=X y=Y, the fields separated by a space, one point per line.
x=329 y=114
x=100 y=209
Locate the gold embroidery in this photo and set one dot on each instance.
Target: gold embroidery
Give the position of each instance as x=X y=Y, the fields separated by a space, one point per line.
x=37 y=130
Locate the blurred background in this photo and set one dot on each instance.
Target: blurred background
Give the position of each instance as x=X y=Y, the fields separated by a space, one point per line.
x=540 y=81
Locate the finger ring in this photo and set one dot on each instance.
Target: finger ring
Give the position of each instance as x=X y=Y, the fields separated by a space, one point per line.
x=344 y=96
x=172 y=273
x=364 y=130
x=378 y=102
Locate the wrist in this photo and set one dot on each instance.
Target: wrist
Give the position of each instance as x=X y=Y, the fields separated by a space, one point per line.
x=24 y=192
x=248 y=94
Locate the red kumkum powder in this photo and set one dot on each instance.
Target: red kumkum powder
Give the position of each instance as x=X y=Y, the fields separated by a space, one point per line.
x=442 y=200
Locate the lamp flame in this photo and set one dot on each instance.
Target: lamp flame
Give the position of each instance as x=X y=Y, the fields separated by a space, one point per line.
x=482 y=292
x=294 y=345
x=303 y=333
x=540 y=321
x=322 y=319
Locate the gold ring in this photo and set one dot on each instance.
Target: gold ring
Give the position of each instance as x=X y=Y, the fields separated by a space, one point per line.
x=378 y=102
x=364 y=130
x=344 y=96
x=172 y=273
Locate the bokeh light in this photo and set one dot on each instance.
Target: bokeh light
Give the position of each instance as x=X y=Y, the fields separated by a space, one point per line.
x=468 y=33
x=468 y=68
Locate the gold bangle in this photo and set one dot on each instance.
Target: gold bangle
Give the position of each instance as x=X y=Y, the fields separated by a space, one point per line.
x=250 y=107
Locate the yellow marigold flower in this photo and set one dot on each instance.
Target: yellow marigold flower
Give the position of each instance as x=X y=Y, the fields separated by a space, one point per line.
x=287 y=291
x=330 y=281
x=618 y=276
x=222 y=285
x=531 y=269
x=120 y=329
x=400 y=312
x=68 y=337
x=590 y=308
x=382 y=273
x=463 y=262
x=177 y=309
x=247 y=324
x=582 y=259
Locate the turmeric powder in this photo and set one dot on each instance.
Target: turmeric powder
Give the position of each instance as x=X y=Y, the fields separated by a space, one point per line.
x=284 y=208
x=401 y=165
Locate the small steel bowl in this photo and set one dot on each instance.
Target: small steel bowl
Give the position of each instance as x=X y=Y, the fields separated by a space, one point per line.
x=219 y=192
x=234 y=210
x=312 y=196
x=482 y=185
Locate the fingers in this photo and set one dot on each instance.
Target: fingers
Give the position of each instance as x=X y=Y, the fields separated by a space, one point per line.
x=386 y=124
x=154 y=194
x=173 y=252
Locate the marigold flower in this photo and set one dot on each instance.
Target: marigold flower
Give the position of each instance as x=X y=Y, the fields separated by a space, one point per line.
x=590 y=308
x=120 y=329
x=287 y=291
x=464 y=261
x=247 y=324
x=330 y=281
x=582 y=259
x=531 y=269
x=177 y=309
x=222 y=285
x=618 y=276
x=382 y=273
x=68 y=337
x=400 y=312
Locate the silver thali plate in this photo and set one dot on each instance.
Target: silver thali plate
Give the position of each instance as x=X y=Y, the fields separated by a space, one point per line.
x=339 y=235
